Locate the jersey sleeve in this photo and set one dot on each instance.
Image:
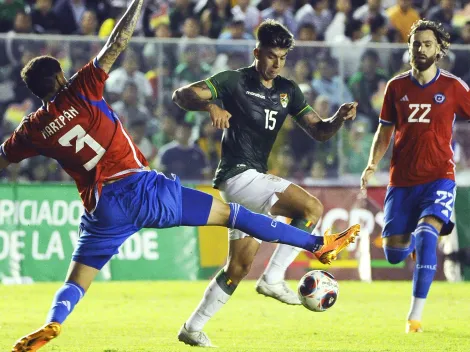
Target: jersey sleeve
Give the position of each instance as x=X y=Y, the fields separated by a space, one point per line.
x=388 y=113
x=298 y=106
x=18 y=147
x=463 y=101
x=92 y=80
x=222 y=84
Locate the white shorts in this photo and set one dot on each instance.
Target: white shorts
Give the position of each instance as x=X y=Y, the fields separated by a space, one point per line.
x=255 y=191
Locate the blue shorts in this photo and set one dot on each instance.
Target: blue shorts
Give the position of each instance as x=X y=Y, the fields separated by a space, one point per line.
x=404 y=206
x=145 y=199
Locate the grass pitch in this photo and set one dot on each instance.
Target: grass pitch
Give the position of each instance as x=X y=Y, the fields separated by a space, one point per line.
x=146 y=316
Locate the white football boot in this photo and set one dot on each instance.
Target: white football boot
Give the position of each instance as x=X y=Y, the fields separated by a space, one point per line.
x=196 y=338
x=279 y=291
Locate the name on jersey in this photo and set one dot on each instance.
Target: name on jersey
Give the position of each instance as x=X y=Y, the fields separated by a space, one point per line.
x=59 y=122
x=255 y=94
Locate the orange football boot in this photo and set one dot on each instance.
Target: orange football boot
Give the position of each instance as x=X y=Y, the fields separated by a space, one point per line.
x=335 y=243
x=413 y=326
x=38 y=338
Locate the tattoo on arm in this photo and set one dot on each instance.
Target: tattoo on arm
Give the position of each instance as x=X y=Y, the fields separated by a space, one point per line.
x=317 y=128
x=120 y=36
x=188 y=98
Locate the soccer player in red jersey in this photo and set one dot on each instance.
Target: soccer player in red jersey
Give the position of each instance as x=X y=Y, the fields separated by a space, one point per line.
x=121 y=195
x=420 y=108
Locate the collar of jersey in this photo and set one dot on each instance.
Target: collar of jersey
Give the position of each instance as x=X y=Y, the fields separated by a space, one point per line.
x=415 y=81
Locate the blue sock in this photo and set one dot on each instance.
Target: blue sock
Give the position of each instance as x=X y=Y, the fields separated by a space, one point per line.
x=397 y=255
x=269 y=230
x=64 y=301
x=426 y=259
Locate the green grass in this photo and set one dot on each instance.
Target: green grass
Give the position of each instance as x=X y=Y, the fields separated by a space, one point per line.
x=145 y=316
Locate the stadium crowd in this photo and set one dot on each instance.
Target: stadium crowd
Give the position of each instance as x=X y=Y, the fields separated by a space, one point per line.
x=346 y=50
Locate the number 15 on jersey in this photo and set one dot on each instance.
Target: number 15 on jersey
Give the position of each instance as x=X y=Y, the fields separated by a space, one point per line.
x=270 y=119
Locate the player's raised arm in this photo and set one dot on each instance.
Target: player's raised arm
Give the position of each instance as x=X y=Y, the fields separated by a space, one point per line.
x=323 y=129
x=120 y=36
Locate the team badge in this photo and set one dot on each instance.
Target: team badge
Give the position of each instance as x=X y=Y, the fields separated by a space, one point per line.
x=439 y=98
x=284 y=99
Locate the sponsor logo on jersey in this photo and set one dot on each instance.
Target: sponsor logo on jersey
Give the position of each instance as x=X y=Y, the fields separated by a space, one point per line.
x=255 y=94
x=439 y=98
x=429 y=267
x=284 y=99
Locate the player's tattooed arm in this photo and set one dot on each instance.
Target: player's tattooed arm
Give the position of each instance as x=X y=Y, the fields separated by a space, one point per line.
x=120 y=36
x=194 y=97
x=323 y=129
x=318 y=129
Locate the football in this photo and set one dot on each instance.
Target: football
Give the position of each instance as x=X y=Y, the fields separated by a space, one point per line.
x=318 y=290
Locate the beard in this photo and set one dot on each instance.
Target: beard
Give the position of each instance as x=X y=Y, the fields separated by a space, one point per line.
x=422 y=64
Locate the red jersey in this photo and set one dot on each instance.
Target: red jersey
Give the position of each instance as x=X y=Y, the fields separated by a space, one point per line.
x=79 y=130
x=423 y=116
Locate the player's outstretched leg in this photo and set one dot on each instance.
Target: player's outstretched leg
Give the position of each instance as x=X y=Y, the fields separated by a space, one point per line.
x=426 y=263
x=335 y=243
x=78 y=280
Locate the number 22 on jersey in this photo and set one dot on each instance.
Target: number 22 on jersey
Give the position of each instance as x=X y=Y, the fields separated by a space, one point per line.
x=419 y=113
x=82 y=139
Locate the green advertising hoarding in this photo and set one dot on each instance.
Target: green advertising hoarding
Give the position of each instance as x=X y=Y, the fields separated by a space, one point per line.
x=38 y=232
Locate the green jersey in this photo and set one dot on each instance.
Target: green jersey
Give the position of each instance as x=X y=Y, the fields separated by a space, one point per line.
x=257 y=116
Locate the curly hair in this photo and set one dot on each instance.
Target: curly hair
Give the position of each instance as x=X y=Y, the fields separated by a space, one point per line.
x=442 y=36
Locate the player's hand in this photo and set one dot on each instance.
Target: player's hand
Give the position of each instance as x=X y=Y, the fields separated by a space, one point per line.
x=365 y=177
x=219 y=117
x=347 y=111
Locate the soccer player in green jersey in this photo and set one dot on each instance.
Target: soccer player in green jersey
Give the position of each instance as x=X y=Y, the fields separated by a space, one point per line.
x=257 y=101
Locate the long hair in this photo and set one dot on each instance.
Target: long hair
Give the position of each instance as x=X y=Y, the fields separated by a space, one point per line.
x=442 y=36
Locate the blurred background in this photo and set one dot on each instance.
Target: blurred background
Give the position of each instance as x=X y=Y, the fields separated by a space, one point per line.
x=345 y=50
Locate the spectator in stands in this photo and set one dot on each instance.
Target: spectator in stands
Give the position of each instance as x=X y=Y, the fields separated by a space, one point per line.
x=378 y=34
x=280 y=11
x=329 y=84
x=214 y=17
x=303 y=75
x=251 y=14
x=356 y=145
x=235 y=30
x=209 y=141
x=8 y=11
x=191 y=68
x=166 y=130
x=402 y=16
x=443 y=12
x=181 y=10
x=129 y=71
x=69 y=14
x=182 y=157
x=317 y=13
x=365 y=83
x=128 y=107
x=13 y=47
x=345 y=47
x=338 y=24
x=138 y=131
x=370 y=9
x=462 y=63
x=44 y=20
x=88 y=24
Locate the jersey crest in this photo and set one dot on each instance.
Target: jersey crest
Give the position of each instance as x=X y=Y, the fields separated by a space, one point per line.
x=439 y=98
x=284 y=99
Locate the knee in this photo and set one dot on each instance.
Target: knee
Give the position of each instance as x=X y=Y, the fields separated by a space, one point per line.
x=395 y=255
x=313 y=209
x=236 y=271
